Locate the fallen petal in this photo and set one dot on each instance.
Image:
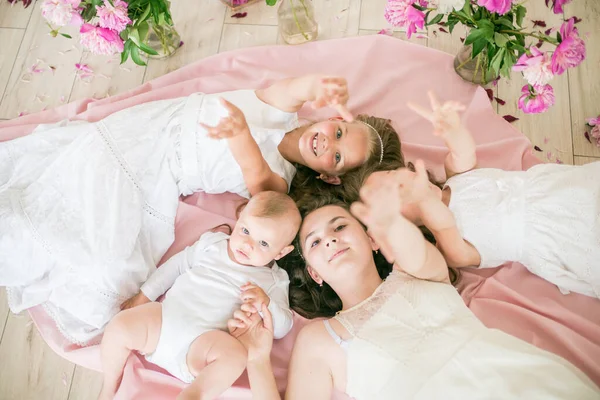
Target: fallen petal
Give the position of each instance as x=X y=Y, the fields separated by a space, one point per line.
x=549 y=155
x=536 y=148
x=387 y=32
x=490 y=94
x=538 y=22
x=443 y=30
x=500 y=101
x=510 y=118
x=239 y=15
x=587 y=136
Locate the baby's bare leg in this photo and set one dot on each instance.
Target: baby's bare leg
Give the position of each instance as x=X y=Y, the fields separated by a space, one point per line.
x=134 y=329
x=216 y=359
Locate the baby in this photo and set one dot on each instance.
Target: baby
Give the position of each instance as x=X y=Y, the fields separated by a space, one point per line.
x=186 y=334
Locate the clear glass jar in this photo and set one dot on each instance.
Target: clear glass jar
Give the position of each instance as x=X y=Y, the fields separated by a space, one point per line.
x=164 y=39
x=474 y=70
x=297 y=22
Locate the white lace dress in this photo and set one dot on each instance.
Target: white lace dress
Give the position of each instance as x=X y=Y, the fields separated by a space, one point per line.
x=547 y=218
x=87 y=209
x=414 y=339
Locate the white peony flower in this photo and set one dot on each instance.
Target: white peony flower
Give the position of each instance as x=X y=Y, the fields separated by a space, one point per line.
x=446 y=6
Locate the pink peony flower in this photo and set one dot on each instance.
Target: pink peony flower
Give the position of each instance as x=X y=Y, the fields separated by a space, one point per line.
x=571 y=50
x=62 y=12
x=498 y=6
x=401 y=13
x=536 y=67
x=595 y=133
x=100 y=40
x=557 y=5
x=536 y=99
x=113 y=17
x=593 y=121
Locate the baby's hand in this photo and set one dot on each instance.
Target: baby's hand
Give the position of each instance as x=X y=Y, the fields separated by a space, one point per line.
x=230 y=126
x=135 y=301
x=332 y=92
x=414 y=186
x=445 y=118
x=253 y=297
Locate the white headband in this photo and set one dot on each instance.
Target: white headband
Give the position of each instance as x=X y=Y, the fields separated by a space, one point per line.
x=378 y=137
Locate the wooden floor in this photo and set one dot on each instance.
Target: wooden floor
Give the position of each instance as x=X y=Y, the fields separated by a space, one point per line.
x=28 y=368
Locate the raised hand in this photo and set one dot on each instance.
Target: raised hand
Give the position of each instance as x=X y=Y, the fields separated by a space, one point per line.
x=254 y=332
x=234 y=124
x=444 y=117
x=254 y=296
x=332 y=92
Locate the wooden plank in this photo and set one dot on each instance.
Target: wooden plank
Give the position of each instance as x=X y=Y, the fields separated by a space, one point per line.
x=446 y=42
x=258 y=13
x=109 y=77
x=577 y=160
x=36 y=372
x=550 y=131
x=584 y=81
x=86 y=384
x=200 y=25
x=14 y=15
x=422 y=40
x=241 y=36
x=4 y=311
x=338 y=18
x=30 y=91
x=11 y=42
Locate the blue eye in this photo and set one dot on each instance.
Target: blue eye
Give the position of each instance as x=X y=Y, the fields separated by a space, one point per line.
x=339 y=133
x=338 y=157
x=339 y=228
x=316 y=242
x=263 y=243
x=245 y=231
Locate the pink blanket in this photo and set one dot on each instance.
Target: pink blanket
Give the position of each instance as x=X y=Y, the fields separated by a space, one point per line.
x=383 y=74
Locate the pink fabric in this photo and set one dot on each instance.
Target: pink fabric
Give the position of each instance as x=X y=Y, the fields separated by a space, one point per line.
x=383 y=74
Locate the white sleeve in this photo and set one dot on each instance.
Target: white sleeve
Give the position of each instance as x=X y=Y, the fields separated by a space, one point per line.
x=165 y=276
x=279 y=306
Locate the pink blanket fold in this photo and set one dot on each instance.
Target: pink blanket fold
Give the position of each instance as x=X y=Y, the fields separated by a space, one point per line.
x=383 y=74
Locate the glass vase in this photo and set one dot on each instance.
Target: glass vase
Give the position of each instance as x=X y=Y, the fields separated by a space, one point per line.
x=236 y=5
x=297 y=22
x=164 y=39
x=474 y=70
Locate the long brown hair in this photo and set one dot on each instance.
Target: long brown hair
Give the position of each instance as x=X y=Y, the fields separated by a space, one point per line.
x=309 y=299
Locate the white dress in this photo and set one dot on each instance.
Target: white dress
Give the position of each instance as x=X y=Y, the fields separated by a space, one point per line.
x=88 y=209
x=547 y=218
x=204 y=292
x=415 y=339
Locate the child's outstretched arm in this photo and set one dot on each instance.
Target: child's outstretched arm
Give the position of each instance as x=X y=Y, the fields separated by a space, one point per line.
x=290 y=94
x=447 y=125
x=258 y=176
x=400 y=241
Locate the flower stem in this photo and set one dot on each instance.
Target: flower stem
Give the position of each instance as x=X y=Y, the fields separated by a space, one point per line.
x=296 y=18
x=544 y=38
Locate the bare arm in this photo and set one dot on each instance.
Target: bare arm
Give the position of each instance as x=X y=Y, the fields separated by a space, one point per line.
x=448 y=125
x=436 y=216
x=309 y=376
x=257 y=174
x=290 y=94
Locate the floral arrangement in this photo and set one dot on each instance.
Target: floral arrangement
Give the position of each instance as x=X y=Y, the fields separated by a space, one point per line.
x=594 y=124
x=497 y=40
x=111 y=26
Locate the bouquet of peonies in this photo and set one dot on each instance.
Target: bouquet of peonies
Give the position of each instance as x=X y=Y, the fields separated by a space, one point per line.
x=112 y=26
x=497 y=40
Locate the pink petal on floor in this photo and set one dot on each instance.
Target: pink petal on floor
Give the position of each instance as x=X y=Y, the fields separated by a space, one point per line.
x=549 y=155
x=546 y=140
x=62 y=99
x=559 y=161
x=84 y=68
x=388 y=32
x=64 y=378
x=22 y=113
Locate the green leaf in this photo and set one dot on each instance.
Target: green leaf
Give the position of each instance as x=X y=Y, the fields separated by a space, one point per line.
x=521 y=12
x=143 y=30
x=501 y=39
x=518 y=47
x=474 y=35
x=497 y=61
x=142 y=18
x=505 y=22
x=126 y=50
x=67 y=36
x=451 y=25
x=478 y=46
x=436 y=19
x=134 y=36
x=418 y=7
x=467 y=9
x=147 y=49
x=135 y=56
x=155 y=10
x=271 y=2
x=486 y=27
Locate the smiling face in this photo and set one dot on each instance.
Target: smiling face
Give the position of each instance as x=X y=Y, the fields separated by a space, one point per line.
x=333 y=241
x=334 y=147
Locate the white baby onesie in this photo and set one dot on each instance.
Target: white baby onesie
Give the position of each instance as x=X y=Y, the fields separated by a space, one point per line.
x=204 y=294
